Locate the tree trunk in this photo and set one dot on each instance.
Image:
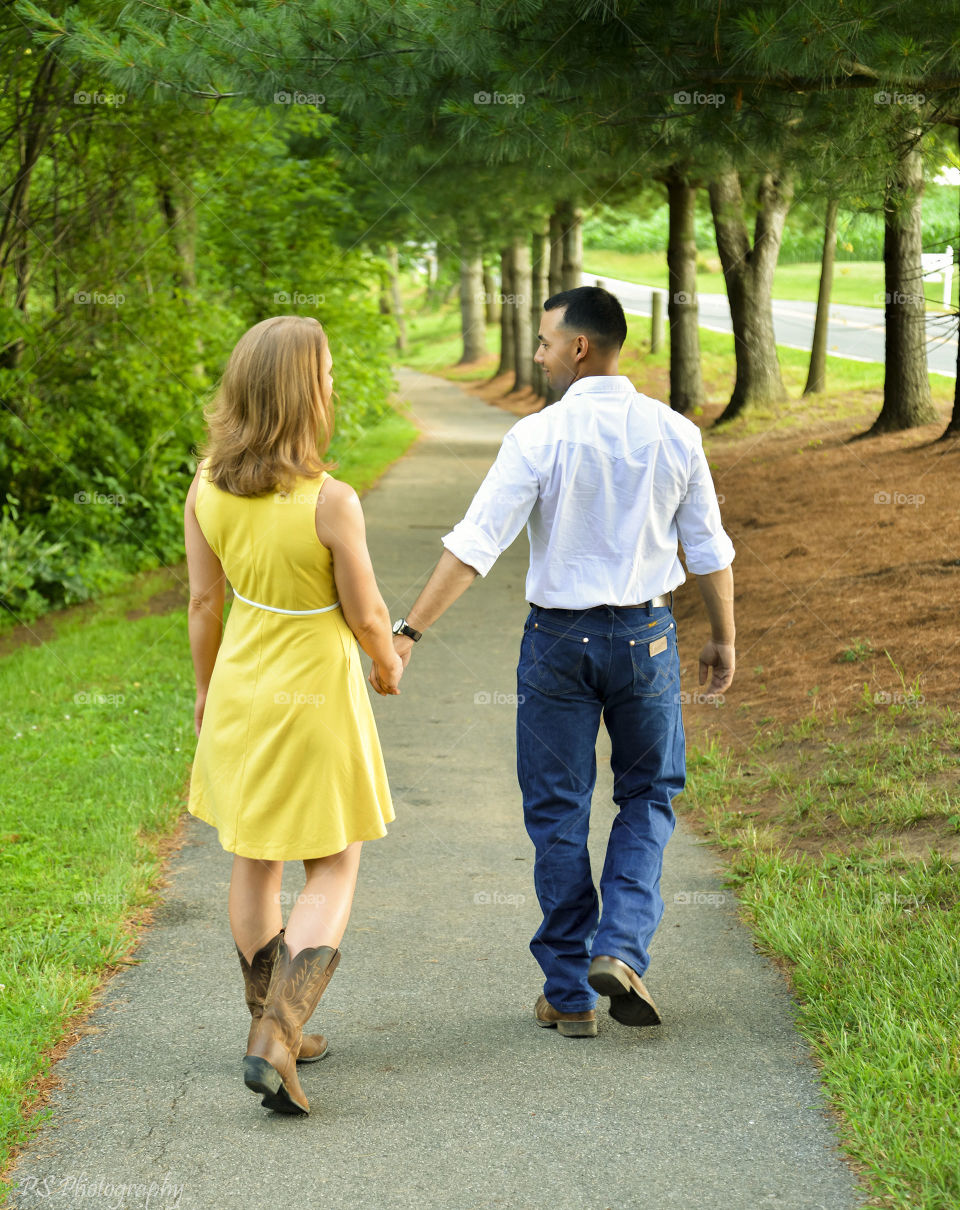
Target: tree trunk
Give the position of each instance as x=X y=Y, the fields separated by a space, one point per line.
x=396 y=298
x=491 y=298
x=817 y=374
x=522 y=295
x=748 y=274
x=572 y=268
x=555 y=276
x=181 y=220
x=182 y=229
x=906 y=380
x=508 y=335
x=686 y=378
x=471 y=303
x=539 y=276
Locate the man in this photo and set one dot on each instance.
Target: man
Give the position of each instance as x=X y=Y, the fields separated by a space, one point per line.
x=606 y=481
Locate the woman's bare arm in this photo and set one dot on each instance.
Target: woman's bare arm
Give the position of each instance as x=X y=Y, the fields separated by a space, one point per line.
x=205 y=611
x=340 y=527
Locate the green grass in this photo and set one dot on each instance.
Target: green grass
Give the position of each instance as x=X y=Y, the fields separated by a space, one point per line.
x=361 y=461
x=857 y=283
x=854 y=388
x=868 y=927
x=96 y=739
x=435 y=344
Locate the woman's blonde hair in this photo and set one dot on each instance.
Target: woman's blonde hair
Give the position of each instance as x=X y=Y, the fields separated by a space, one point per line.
x=268 y=423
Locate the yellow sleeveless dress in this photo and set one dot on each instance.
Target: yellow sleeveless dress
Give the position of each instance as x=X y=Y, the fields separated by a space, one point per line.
x=288 y=763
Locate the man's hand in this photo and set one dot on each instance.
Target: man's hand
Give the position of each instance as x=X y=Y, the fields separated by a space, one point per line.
x=720 y=658
x=403 y=646
x=385 y=678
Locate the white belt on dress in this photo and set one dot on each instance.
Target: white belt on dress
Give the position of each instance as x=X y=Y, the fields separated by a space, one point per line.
x=275 y=609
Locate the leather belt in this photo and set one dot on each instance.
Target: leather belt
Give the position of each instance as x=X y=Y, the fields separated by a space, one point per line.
x=654 y=602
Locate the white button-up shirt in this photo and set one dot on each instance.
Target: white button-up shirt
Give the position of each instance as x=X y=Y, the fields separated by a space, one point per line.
x=607 y=481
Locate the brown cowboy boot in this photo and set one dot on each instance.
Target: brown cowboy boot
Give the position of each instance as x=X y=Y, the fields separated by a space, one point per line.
x=256 y=979
x=296 y=985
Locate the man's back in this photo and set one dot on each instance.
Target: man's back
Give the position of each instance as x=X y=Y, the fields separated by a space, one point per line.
x=607 y=481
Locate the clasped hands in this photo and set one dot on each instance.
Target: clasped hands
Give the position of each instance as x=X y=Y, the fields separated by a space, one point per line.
x=385 y=676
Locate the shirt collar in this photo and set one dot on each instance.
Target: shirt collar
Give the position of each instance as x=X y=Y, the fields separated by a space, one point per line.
x=600 y=384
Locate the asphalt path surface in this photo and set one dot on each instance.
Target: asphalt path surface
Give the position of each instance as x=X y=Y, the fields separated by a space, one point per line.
x=856 y=333
x=440 y=1090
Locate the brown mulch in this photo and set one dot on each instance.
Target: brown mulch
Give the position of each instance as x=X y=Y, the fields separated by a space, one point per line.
x=846 y=553
x=847 y=576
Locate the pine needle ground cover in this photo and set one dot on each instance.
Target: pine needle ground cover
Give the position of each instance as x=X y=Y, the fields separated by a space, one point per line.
x=96 y=739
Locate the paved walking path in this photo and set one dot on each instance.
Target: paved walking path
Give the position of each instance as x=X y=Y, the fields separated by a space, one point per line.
x=440 y=1091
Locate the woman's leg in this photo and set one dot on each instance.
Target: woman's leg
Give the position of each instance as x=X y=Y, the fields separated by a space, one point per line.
x=254 y=903
x=320 y=915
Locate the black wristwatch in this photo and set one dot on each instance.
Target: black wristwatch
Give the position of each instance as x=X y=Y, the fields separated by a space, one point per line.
x=400 y=627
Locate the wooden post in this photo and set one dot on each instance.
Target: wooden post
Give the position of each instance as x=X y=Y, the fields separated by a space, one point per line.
x=656 y=322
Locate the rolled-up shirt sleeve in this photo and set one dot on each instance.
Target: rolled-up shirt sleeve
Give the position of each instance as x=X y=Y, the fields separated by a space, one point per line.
x=706 y=545
x=499 y=510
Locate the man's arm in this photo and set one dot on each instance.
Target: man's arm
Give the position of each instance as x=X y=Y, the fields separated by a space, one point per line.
x=718 y=653
x=449 y=580
x=496 y=515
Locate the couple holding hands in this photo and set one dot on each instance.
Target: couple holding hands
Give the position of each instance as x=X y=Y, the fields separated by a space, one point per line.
x=288 y=763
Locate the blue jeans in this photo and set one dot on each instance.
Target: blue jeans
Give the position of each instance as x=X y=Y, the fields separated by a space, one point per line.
x=575 y=665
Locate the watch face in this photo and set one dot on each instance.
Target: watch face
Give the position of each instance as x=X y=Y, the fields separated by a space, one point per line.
x=398 y=626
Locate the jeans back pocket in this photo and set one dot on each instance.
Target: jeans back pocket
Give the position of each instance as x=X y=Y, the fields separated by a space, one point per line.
x=553 y=663
x=655 y=673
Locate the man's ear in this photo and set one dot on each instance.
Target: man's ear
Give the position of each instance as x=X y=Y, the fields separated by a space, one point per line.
x=583 y=347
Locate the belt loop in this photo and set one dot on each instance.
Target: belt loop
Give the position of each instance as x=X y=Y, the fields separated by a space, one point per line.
x=671 y=600
x=646 y=606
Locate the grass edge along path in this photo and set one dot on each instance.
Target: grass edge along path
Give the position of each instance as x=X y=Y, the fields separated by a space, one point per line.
x=96 y=739
x=817 y=823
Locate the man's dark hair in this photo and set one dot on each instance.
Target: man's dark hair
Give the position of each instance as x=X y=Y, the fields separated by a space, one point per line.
x=595 y=312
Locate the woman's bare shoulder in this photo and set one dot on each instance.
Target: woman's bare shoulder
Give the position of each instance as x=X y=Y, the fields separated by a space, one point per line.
x=337 y=494
x=339 y=515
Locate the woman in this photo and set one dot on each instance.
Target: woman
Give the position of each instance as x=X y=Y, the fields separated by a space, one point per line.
x=288 y=763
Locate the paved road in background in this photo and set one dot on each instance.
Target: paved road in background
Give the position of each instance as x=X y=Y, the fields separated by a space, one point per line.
x=440 y=1093
x=853 y=332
